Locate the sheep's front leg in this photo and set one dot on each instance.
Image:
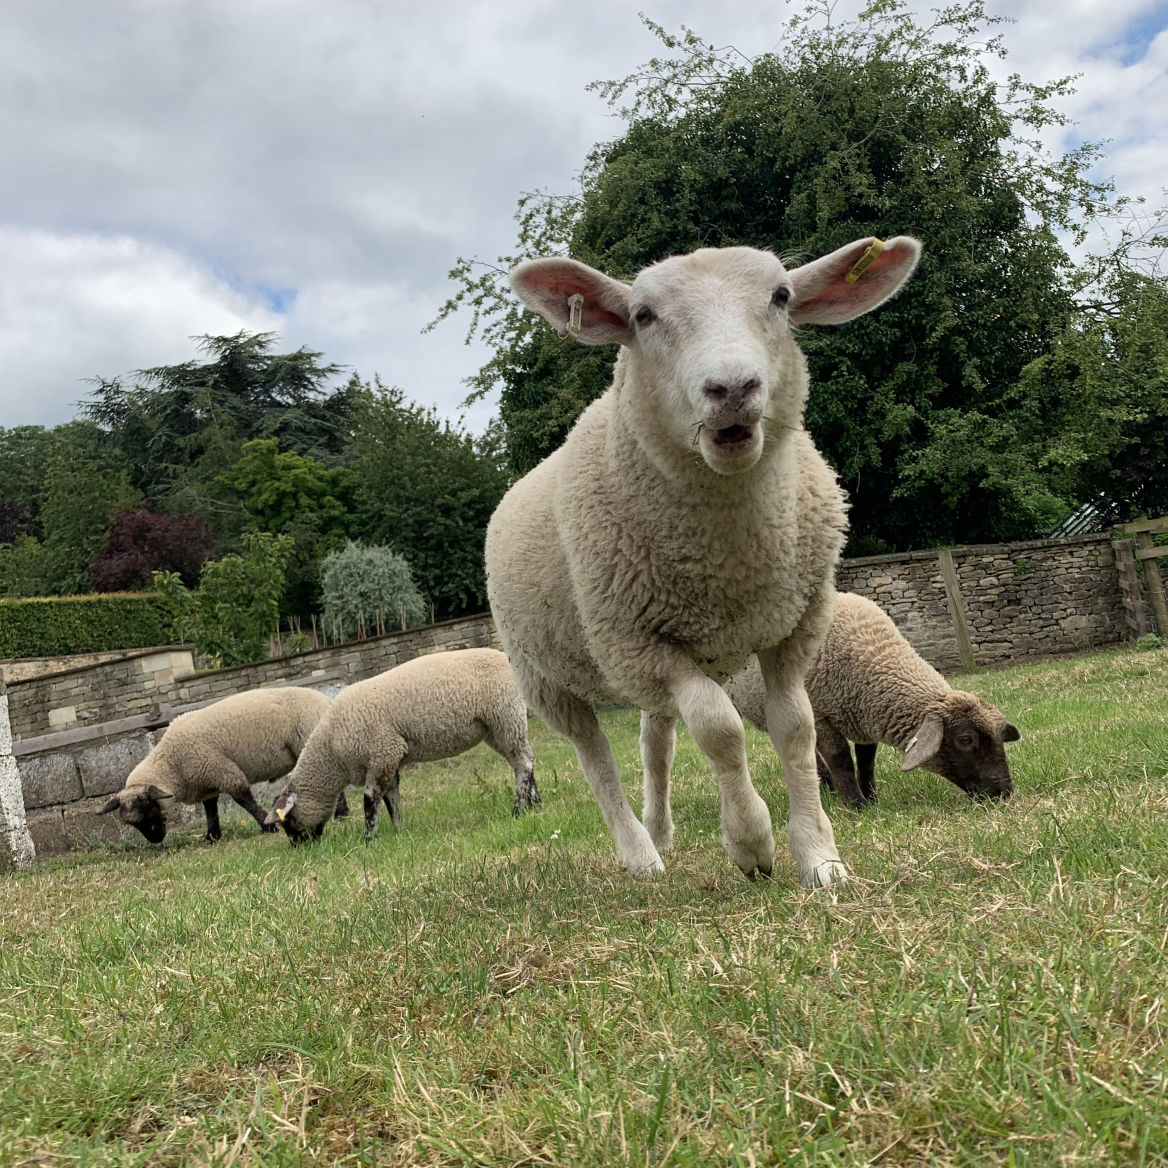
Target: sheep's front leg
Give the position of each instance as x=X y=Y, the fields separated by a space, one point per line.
x=377 y=790
x=235 y=784
x=211 y=811
x=658 y=742
x=836 y=752
x=717 y=729
x=866 y=770
x=791 y=726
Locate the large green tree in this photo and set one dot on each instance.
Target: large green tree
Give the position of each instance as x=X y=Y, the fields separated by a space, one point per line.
x=85 y=483
x=181 y=426
x=878 y=126
x=427 y=489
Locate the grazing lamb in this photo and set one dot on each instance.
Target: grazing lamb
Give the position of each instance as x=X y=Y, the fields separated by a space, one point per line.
x=221 y=749
x=869 y=685
x=686 y=522
x=432 y=707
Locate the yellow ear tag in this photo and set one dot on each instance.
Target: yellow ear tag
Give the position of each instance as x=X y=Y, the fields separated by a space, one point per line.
x=280 y=813
x=865 y=261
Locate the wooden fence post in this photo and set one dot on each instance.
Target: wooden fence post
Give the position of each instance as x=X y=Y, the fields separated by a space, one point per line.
x=12 y=820
x=1143 y=530
x=1134 y=607
x=956 y=609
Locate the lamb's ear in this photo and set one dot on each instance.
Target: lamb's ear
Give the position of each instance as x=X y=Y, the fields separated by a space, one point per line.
x=547 y=287
x=157 y=793
x=110 y=805
x=925 y=743
x=1012 y=733
x=283 y=804
x=852 y=280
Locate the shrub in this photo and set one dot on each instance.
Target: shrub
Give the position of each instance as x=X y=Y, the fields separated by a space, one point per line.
x=1149 y=641
x=45 y=626
x=237 y=606
x=372 y=585
x=139 y=543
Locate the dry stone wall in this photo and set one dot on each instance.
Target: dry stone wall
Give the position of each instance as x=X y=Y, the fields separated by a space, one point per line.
x=1014 y=601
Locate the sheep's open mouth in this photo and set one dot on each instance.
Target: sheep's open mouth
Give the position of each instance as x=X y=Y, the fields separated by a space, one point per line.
x=730 y=437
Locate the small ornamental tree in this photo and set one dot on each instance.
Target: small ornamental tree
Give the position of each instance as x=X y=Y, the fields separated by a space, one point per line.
x=365 y=586
x=139 y=543
x=237 y=606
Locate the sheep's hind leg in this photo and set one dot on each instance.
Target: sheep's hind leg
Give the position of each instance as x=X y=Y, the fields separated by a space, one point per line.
x=522 y=762
x=717 y=729
x=211 y=811
x=574 y=718
x=791 y=725
x=658 y=741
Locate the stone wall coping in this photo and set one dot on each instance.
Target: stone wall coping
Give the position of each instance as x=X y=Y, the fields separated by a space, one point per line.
x=49 y=678
x=978 y=549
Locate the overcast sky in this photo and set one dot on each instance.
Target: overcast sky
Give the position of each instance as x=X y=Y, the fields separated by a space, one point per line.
x=177 y=167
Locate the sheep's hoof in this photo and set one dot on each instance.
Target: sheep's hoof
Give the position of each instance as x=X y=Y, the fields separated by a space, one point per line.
x=211 y=839
x=828 y=873
x=764 y=872
x=657 y=868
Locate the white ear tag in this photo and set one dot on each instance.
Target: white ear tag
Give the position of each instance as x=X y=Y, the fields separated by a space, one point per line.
x=575 y=317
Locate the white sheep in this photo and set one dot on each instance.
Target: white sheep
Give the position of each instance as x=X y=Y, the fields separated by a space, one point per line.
x=432 y=707
x=220 y=749
x=687 y=522
x=869 y=685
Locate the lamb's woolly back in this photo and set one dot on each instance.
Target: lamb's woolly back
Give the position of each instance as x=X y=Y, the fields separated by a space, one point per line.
x=261 y=731
x=432 y=707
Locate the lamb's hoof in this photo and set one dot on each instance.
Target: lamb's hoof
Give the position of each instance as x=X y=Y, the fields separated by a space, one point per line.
x=211 y=839
x=828 y=873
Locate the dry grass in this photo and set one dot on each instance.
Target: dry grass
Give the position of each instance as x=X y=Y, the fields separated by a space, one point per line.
x=479 y=990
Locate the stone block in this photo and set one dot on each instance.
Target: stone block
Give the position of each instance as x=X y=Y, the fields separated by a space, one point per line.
x=48 y=779
x=104 y=767
x=84 y=828
x=47 y=829
x=62 y=717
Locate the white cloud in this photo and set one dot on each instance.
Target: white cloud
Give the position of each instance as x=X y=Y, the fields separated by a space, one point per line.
x=172 y=169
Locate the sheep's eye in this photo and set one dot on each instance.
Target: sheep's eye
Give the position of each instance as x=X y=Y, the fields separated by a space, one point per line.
x=644 y=315
x=781 y=296
x=966 y=741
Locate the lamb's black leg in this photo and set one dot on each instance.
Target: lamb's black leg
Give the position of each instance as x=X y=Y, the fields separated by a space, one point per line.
x=342 y=808
x=211 y=811
x=836 y=752
x=250 y=804
x=392 y=797
x=866 y=769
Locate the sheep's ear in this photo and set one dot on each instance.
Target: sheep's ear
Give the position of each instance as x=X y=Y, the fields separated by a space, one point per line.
x=1012 y=733
x=281 y=807
x=925 y=743
x=110 y=805
x=851 y=281
x=548 y=286
x=157 y=793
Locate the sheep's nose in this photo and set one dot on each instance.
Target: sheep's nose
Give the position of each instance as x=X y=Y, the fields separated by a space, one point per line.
x=731 y=394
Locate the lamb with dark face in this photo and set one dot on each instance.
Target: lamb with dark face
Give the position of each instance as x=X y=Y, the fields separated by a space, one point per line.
x=868 y=685
x=220 y=749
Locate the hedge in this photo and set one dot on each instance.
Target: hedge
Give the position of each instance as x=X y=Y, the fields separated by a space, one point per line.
x=47 y=626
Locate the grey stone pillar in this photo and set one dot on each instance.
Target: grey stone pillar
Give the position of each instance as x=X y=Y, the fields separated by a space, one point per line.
x=14 y=838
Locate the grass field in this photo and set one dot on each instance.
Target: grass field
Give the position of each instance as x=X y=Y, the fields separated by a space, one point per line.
x=989 y=989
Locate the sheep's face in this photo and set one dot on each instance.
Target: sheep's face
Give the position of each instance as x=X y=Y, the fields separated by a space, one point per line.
x=141 y=807
x=287 y=813
x=709 y=334
x=964 y=741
